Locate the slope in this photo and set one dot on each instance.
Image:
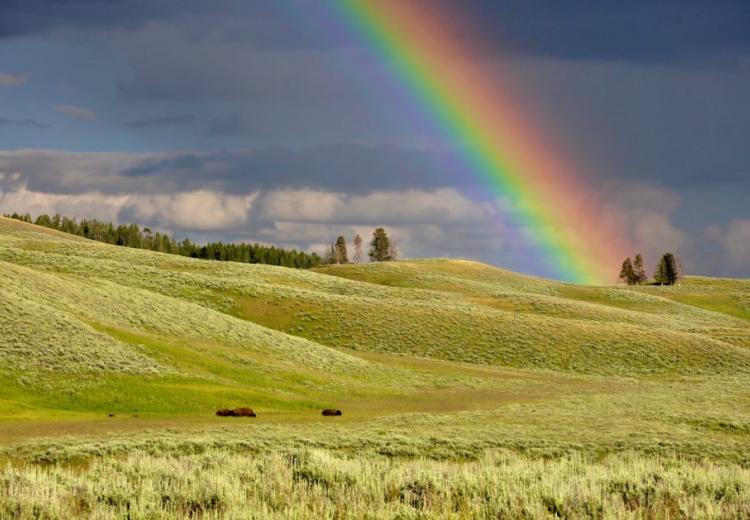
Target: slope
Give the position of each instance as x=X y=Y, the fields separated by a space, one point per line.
x=89 y=328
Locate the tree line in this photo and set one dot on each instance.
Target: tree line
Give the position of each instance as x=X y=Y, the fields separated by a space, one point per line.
x=132 y=235
x=382 y=249
x=668 y=271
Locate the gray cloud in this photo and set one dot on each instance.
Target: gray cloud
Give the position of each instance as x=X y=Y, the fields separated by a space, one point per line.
x=351 y=168
x=170 y=63
x=158 y=122
x=23 y=122
x=638 y=30
x=668 y=31
x=205 y=196
x=76 y=112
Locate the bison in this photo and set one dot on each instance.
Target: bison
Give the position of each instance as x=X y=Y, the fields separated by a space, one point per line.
x=237 y=412
x=331 y=411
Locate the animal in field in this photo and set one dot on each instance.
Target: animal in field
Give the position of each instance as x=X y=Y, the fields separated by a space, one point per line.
x=236 y=412
x=331 y=411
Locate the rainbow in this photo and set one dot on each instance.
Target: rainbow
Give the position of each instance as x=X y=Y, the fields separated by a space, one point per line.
x=499 y=144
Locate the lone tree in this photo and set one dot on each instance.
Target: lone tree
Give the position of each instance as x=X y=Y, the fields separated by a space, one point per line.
x=669 y=270
x=357 y=249
x=640 y=270
x=627 y=274
x=341 y=257
x=380 y=246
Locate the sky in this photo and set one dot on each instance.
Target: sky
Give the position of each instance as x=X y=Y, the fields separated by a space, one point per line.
x=268 y=121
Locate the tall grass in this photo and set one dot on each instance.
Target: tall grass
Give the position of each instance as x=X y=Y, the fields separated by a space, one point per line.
x=320 y=484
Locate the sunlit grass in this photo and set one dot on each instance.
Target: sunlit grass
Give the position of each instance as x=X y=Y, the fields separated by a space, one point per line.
x=467 y=390
x=316 y=483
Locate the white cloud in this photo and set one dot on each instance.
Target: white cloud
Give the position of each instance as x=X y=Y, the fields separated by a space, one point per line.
x=427 y=221
x=643 y=212
x=92 y=205
x=438 y=222
x=8 y=80
x=201 y=210
x=76 y=112
x=440 y=206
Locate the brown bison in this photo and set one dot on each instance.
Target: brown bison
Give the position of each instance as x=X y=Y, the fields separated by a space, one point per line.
x=331 y=411
x=237 y=412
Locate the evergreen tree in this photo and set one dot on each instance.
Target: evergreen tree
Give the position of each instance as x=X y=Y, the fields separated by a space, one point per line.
x=627 y=274
x=43 y=220
x=133 y=236
x=380 y=246
x=669 y=270
x=639 y=269
x=357 y=249
x=341 y=257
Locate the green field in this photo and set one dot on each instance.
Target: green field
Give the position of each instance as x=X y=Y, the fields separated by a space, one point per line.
x=467 y=390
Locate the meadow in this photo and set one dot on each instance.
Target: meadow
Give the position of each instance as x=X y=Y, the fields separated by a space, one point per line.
x=467 y=390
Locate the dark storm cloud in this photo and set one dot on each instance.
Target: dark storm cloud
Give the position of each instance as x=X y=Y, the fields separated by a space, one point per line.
x=348 y=167
x=640 y=30
x=157 y=122
x=344 y=167
x=32 y=17
x=270 y=25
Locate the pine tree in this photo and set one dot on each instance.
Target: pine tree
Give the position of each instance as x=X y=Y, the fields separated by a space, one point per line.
x=627 y=274
x=380 y=246
x=341 y=256
x=669 y=270
x=640 y=270
x=357 y=249
x=133 y=236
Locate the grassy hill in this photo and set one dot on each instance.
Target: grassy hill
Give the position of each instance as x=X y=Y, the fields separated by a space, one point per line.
x=445 y=359
x=178 y=335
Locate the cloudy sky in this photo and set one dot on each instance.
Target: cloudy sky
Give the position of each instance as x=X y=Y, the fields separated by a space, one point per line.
x=265 y=121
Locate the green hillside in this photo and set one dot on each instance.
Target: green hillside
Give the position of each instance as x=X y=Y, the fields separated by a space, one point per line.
x=91 y=328
x=122 y=356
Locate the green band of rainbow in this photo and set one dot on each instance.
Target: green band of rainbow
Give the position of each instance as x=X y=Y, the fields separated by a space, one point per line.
x=490 y=132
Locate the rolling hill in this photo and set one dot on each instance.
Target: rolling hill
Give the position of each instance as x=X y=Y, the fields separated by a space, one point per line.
x=89 y=328
x=611 y=400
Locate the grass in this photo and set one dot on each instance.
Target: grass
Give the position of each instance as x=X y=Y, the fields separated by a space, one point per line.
x=319 y=484
x=467 y=390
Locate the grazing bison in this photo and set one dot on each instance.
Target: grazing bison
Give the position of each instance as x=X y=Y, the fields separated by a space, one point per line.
x=331 y=411
x=237 y=412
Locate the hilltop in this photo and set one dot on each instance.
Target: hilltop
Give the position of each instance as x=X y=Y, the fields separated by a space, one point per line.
x=90 y=328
